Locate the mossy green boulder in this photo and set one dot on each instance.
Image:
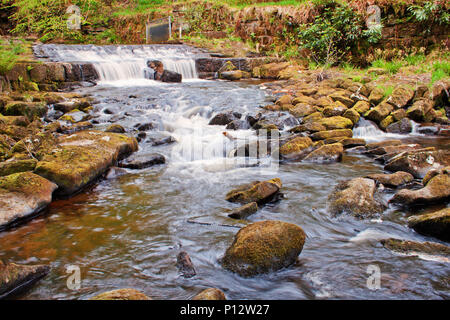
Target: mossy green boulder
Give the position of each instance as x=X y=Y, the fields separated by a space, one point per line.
x=295 y=147
x=30 y=110
x=259 y=192
x=264 y=247
x=339 y=133
x=327 y=153
x=82 y=157
x=210 y=294
x=12 y=166
x=23 y=195
x=336 y=122
x=436 y=224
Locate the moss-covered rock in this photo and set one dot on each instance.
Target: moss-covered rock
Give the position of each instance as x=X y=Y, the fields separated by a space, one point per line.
x=302 y=110
x=358 y=196
x=313 y=117
x=27 y=109
x=352 y=114
x=392 y=180
x=386 y=122
x=436 y=224
x=286 y=99
x=376 y=96
x=303 y=99
x=399 y=114
x=210 y=294
x=244 y=211
x=264 y=247
x=270 y=70
x=339 y=97
x=327 y=153
x=380 y=112
x=117 y=128
x=419 y=110
x=23 y=195
x=418 y=163
x=82 y=157
x=12 y=166
x=6 y=144
x=121 y=294
x=295 y=147
x=393 y=149
x=361 y=107
x=437 y=190
x=352 y=142
x=403 y=126
x=401 y=96
x=259 y=192
x=384 y=143
x=337 y=122
x=339 y=133
x=15 y=278
x=309 y=126
x=335 y=109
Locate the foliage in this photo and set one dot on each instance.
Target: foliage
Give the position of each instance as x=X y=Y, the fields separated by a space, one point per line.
x=431 y=12
x=441 y=70
x=9 y=54
x=391 y=66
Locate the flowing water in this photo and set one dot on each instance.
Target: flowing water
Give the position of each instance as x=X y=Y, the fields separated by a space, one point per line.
x=126 y=232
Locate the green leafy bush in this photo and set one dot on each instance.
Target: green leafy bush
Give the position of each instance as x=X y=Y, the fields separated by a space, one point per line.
x=9 y=53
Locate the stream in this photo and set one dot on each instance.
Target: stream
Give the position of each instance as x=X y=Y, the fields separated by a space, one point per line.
x=126 y=232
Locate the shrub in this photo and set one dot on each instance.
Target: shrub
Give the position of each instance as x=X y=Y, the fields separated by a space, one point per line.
x=9 y=53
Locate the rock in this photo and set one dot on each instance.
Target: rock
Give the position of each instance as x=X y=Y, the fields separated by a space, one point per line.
x=419 y=110
x=376 y=96
x=75 y=116
x=231 y=75
x=340 y=133
x=437 y=190
x=259 y=192
x=313 y=118
x=352 y=142
x=244 y=211
x=337 y=122
x=143 y=161
x=358 y=197
x=327 y=153
x=436 y=224
x=72 y=104
x=302 y=110
x=154 y=123
x=386 y=122
x=185 y=265
x=121 y=294
x=271 y=70
x=392 y=180
x=223 y=119
x=308 y=127
x=115 y=172
x=237 y=125
x=414 y=248
x=401 y=96
x=12 y=166
x=303 y=99
x=264 y=247
x=295 y=148
x=361 y=107
x=76 y=127
x=353 y=115
x=384 y=143
x=283 y=100
x=6 y=143
x=23 y=195
x=82 y=157
x=380 y=112
x=403 y=126
x=418 y=163
x=393 y=149
x=160 y=139
x=347 y=102
x=117 y=128
x=398 y=114
x=210 y=294
x=15 y=278
x=30 y=110
x=336 y=109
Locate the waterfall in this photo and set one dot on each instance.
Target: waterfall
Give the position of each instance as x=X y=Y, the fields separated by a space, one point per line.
x=369 y=131
x=124 y=62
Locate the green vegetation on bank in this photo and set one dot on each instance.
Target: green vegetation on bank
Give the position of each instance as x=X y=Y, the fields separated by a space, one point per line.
x=9 y=54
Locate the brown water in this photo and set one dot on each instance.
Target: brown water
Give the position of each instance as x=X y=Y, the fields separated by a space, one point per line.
x=126 y=232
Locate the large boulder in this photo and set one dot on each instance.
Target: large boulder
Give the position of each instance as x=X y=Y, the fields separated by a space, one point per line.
x=23 y=195
x=259 y=192
x=336 y=122
x=436 y=224
x=401 y=96
x=327 y=153
x=121 y=294
x=263 y=247
x=437 y=190
x=418 y=163
x=336 y=109
x=392 y=180
x=13 y=165
x=328 y=134
x=82 y=157
x=15 y=278
x=358 y=197
x=30 y=110
x=414 y=248
x=380 y=112
x=419 y=110
x=403 y=126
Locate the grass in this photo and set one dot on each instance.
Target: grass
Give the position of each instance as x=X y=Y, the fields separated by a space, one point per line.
x=391 y=67
x=441 y=70
x=387 y=90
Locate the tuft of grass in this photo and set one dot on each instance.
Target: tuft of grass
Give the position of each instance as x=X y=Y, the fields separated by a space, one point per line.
x=387 y=90
x=441 y=70
x=390 y=66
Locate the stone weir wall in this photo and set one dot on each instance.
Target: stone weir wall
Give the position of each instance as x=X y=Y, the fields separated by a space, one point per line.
x=46 y=76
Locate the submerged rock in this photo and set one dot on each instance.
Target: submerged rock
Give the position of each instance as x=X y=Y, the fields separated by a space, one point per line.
x=263 y=247
x=16 y=278
x=436 y=224
x=23 y=195
x=82 y=157
x=244 y=211
x=224 y=118
x=185 y=265
x=437 y=190
x=115 y=172
x=259 y=192
x=414 y=248
x=210 y=294
x=143 y=161
x=121 y=294
x=358 y=197
x=392 y=180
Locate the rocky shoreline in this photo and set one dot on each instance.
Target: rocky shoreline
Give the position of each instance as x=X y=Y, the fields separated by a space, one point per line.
x=49 y=149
